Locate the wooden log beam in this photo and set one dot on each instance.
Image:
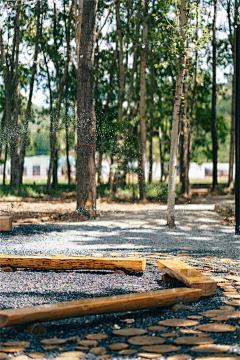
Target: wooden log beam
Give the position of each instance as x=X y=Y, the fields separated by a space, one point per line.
x=188 y=275
x=73 y=263
x=102 y=305
x=5 y=223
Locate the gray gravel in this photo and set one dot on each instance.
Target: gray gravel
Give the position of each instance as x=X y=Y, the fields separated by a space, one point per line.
x=199 y=232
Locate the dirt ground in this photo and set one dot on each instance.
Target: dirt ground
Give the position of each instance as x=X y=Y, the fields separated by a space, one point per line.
x=55 y=210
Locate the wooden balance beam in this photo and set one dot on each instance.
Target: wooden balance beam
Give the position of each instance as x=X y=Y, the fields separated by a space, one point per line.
x=73 y=263
x=188 y=275
x=102 y=305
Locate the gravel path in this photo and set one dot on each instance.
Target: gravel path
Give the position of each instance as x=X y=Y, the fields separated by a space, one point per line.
x=199 y=233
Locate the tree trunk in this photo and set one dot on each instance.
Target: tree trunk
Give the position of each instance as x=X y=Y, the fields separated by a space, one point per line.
x=29 y=103
x=61 y=85
x=86 y=120
x=214 y=99
x=5 y=163
x=184 y=138
x=175 y=121
x=14 y=129
x=121 y=67
x=67 y=136
x=150 y=178
x=232 y=39
x=161 y=153
x=134 y=66
x=143 y=127
x=106 y=113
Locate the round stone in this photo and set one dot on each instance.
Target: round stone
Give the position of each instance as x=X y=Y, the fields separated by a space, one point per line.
x=193 y=340
x=98 y=351
x=157 y=328
x=178 y=322
x=12 y=349
x=67 y=358
x=37 y=355
x=129 y=332
x=87 y=343
x=53 y=341
x=194 y=317
x=24 y=344
x=106 y=356
x=118 y=346
x=146 y=340
x=127 y=352
x=179 y=357
x=234 y=302
x=160 y=348
x=149 y=355
x=217 y=328
x=3 y=356
x=96 y=337
x=218 y=357
x=190 y=331
x=73 y=354
x=211 y=348
x=170 y=334
x=21 y=357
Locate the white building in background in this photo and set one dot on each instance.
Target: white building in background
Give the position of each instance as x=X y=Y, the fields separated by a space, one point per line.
x=38 y=166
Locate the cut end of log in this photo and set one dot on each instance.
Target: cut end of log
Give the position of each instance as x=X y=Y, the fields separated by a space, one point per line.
x=3 y=320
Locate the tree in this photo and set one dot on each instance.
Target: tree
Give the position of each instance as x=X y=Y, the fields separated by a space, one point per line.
x=214 y=97
x=176 y=114
x=86 y=120
x=143 y=129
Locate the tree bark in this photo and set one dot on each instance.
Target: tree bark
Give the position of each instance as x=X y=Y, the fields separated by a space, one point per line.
x=175 y=120
x=121 y=67
x=214 y=99
x=106 y=113
x=184 y=139
x=143 y=127
x=150 y=178
x=232 y=39
x=86 y=120
x=5 y=163
x=14 y=128
x=29 y=103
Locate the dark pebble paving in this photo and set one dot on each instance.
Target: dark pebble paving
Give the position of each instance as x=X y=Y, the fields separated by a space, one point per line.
x=34 y=287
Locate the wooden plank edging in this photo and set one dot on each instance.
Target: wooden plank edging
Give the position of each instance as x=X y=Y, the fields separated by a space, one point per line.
x=102 y=305
x=188 y=275
x=73 y=263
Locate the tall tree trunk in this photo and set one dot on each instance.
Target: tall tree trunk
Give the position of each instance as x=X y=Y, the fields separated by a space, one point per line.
x=5 y=163
x=106 y=113
x=143 y=126
x=184 y=139
x=214 y=99
x=194 y=94
x=134 y=65
x=3 y=126
x=14 y=129
x=29 y=103
x=86 y=120
x=66 y=106
x=121 y=67
x=232 y=39
x=61 y=85
x=67 y=135
x=150 y=178
x=175 y=120
x=161 y=153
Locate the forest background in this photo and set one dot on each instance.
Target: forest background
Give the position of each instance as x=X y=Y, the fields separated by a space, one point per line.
x=139 y=51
